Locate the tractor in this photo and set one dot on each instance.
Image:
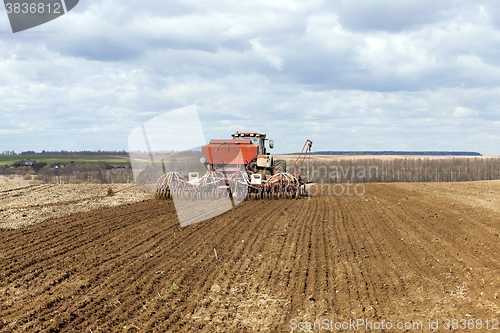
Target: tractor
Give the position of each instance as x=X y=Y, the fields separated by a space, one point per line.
x=253 y=154
x=239 y=168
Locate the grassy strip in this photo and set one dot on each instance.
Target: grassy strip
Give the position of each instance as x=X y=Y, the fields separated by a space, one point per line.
x=52 y=159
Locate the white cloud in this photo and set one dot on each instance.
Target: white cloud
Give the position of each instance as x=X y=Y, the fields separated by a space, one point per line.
x=263 y=52
x=365 y=75
x=275 y=61
x=462 y=112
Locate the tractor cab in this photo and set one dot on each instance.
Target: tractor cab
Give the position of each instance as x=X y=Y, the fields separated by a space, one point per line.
x=256 y=138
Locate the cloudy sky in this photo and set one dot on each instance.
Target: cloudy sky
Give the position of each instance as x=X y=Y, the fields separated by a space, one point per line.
x=349 y=75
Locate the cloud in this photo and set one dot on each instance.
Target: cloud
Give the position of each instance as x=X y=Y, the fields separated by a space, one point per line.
x=350 y=75
x=462 y=112
x=261 y=51
x=396 y=16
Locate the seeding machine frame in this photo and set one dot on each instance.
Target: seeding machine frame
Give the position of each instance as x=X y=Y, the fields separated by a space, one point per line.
x=238 y=169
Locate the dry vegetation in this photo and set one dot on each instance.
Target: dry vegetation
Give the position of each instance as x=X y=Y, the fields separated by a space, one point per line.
x=326 y=169
x=23 y=203
x=400 y=169
x=75 y=173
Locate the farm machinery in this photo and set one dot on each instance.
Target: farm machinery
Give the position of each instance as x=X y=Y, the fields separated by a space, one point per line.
x=239 y=168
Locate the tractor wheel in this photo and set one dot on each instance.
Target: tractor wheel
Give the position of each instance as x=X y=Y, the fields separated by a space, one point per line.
x=280 y=166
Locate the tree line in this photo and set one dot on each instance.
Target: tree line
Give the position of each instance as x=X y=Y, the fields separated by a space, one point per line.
x=66 y=152
x=368 y=170
x=453 y=169
x=391 y=152
x=75 y=173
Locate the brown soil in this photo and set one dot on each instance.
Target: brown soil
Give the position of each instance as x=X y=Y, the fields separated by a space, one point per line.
x=399 y=253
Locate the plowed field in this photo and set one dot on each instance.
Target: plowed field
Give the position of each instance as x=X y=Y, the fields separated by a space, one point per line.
x=399 y=253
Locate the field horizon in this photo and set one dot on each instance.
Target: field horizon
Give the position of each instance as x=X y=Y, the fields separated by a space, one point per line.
x=52 y=159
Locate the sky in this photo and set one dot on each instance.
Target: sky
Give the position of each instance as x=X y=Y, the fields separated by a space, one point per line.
x=348 y=75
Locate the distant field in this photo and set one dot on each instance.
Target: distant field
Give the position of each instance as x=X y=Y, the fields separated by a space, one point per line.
x=379 y=157
x=119 y=160
x=123 y=160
